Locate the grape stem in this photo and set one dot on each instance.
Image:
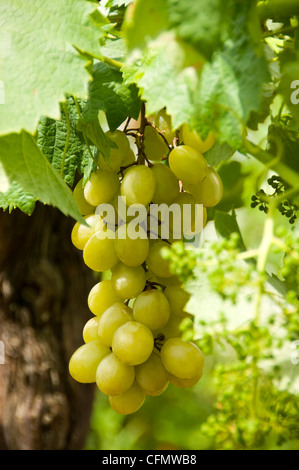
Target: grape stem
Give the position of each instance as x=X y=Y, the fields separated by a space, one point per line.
x=276 y=9
x=287 y=173
x=127 y=123
x=112 y=62
x=153 y=285
x=158 y=341
x=147 y=123
x=140 y=137
x=123 y=168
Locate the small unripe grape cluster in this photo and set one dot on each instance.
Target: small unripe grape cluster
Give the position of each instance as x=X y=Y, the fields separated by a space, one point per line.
x=132 y=344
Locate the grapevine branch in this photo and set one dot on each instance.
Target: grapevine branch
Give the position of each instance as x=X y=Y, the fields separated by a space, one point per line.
x=266 y=158
x=276 y=9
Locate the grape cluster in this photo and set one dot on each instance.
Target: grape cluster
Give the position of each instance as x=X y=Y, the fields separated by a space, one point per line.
x=132 y=343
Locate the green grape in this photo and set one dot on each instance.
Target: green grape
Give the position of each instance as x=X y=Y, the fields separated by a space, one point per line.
x=129 y=159
x=185 y=383
x=109 y=215
x=128 y=402
x=154 y=146
x=163 y=123
x=101 y=187
x=182 y=223
x=120 y=139
x=78 y=195
x=209 y=192
x=114 y=317
x=171 y=329
x=117 y=155
x=167 y=281
x=90 y=330
x=151 y=308
x=152 y=375
x=85 y=360
x=101 y=297
x=188 y=164
x=151 y=119
x=155 y=261
x=82 y=233
x=182 y=359
x=166 y=183
x=138 y=185
x=190 y=137
x=133 y=343
x=128 y=281
x=129 y=213
x=99 y=252
x=132 y=252
x=113 y=377
x=177 y=298
x=158 y=225
x=100 y=225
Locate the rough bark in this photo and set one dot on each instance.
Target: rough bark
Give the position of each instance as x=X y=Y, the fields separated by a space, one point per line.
x=43 y=308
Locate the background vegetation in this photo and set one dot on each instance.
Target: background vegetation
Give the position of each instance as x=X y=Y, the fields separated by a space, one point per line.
x=71 y=70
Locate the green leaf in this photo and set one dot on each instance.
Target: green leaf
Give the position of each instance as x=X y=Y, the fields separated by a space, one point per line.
x=25 y=164
x=12 y=195
x=38 y=61
x=199 y=23
x=96 y=135
x=226 y=225
x=260 y=115
x=63 y=145
x=219 y=153
x=119 y=3
x=108 y=93
x=284 y=143
x=163 y=81
x=231 y=87
x=149 y=19
x=114 y=48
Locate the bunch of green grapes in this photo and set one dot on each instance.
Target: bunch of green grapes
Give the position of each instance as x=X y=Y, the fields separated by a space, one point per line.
x=132 y=342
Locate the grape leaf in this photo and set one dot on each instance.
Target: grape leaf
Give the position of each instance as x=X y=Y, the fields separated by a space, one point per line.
x=285 y=143
x=64 y=145
x=230 y=88
x=96 y=135
x=258 y=116
x=12 y=195
x=119 y=3
x=158 y=66
x=226 y=224
x=38 y=61
x=218 y=94
x=149 y=19
x=25 y=164
x=114 y=48
x=218 y=153
x=199 y=23
x=108 y=93
x=231 y=85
